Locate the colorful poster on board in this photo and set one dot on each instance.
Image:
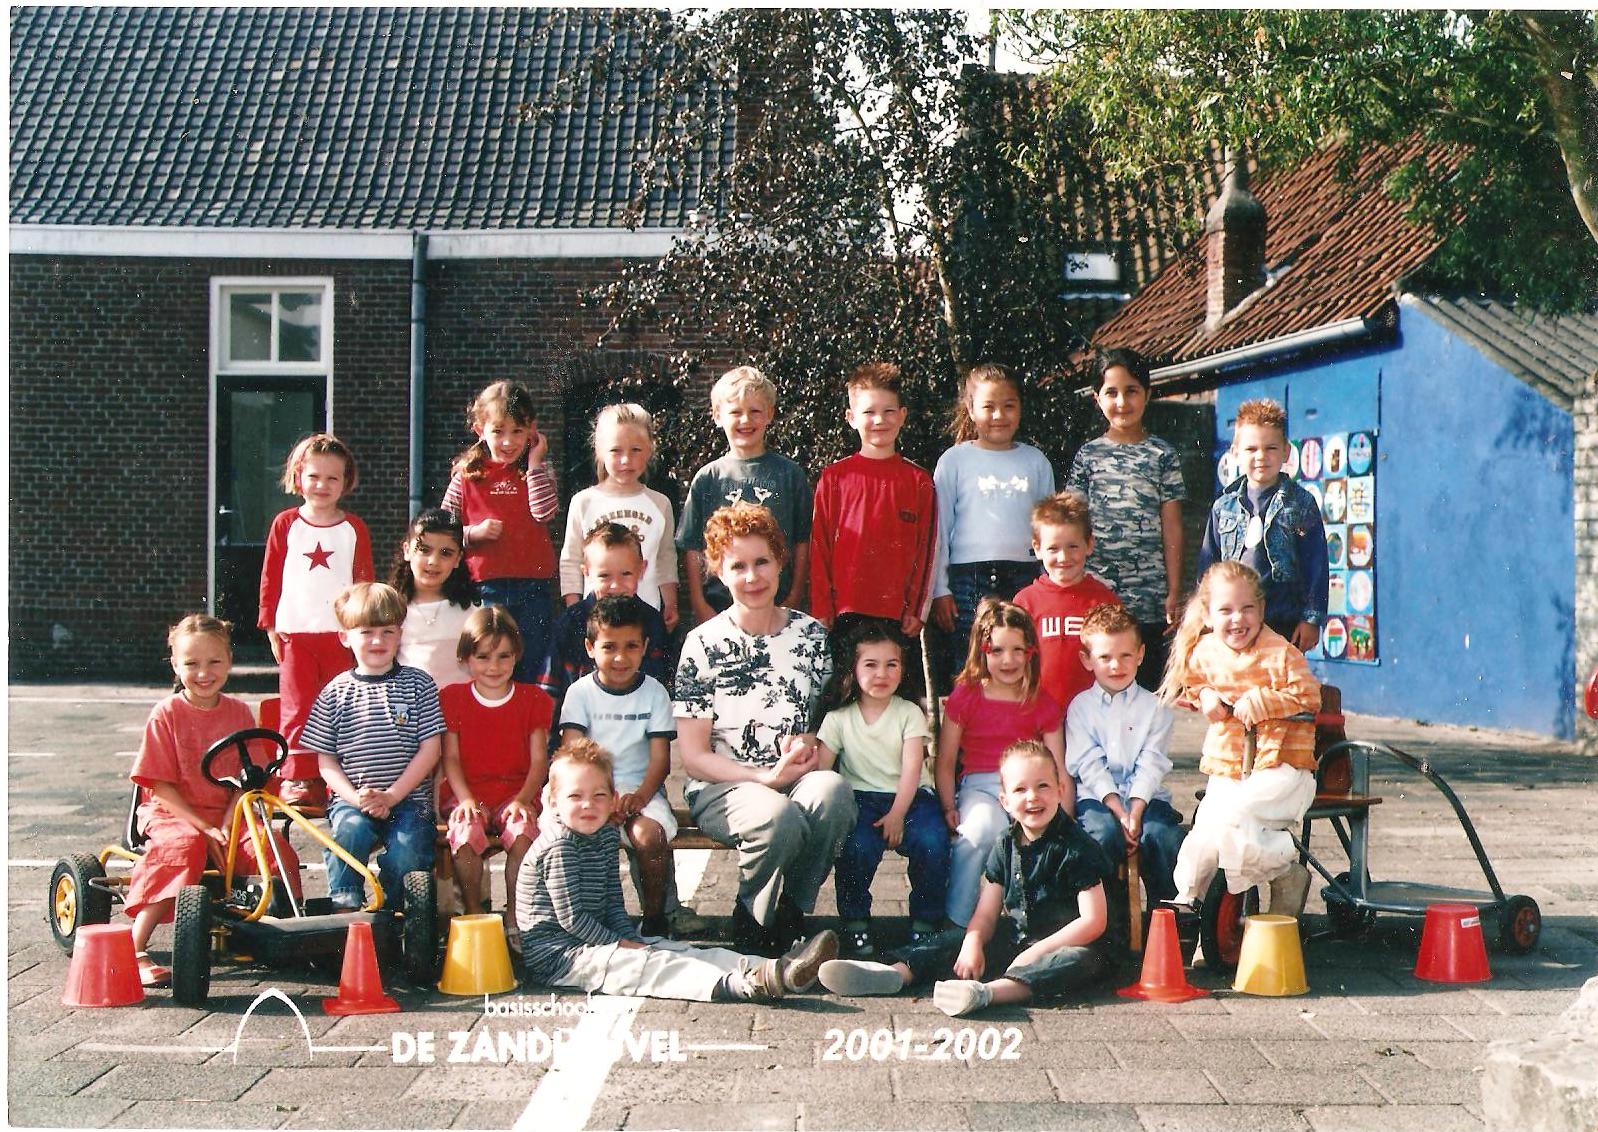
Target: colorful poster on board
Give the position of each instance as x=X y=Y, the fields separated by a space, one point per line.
x=1339 y=472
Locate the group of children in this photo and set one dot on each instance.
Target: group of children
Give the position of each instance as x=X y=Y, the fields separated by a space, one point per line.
x=1052 y=748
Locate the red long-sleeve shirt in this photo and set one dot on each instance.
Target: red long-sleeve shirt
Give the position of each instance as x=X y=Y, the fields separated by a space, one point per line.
x=872 y=539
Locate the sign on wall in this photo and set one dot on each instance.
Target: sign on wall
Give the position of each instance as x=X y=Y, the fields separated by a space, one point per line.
x=1339 y=470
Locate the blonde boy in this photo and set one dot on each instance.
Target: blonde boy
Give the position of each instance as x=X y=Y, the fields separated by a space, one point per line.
x=743 y=402
x=1039 y=926
x=376 y=731
x=1268 y=522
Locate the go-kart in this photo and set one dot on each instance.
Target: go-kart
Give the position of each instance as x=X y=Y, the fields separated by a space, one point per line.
x=246 y=918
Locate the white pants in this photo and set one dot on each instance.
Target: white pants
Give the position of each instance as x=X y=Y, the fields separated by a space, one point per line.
x=1242 y=826
x=668 y=969
x=982 y=819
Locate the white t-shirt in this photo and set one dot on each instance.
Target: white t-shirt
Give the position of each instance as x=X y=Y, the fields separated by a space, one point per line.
x=621 y=722
x=430 y=637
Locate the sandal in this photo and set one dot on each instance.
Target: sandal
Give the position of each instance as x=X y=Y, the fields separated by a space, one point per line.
x=151 y=973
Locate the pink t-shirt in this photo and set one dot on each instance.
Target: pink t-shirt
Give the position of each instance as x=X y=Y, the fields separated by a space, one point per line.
x=175 y=737
x=988 y=726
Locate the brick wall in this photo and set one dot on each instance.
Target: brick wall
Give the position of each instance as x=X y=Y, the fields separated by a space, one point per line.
x=109 y=402
x=1584 y=416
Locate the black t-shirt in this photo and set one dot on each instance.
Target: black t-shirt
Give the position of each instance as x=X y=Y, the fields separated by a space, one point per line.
x=1042 y=879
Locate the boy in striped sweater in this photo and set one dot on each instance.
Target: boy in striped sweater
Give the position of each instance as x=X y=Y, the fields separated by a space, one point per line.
x=376 y=731
x=574 y=925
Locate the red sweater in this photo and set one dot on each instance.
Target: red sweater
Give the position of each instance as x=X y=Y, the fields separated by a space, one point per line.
x=871 y=539
x=1058 y=611
x=524 y=504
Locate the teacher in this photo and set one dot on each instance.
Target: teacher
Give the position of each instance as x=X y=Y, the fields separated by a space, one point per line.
x=748 y=698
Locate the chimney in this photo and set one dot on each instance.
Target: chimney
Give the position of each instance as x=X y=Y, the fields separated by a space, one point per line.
x=1234 y=231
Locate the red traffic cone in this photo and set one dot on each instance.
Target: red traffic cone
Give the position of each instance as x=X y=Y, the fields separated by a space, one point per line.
x=1452 y=949
x=360 y=990
x=1163 y=978
x=105 y=970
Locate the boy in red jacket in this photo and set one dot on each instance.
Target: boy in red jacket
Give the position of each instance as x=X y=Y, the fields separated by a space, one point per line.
x=872 y=534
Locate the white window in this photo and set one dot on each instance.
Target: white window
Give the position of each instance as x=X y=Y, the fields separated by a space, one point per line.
x=273 y=326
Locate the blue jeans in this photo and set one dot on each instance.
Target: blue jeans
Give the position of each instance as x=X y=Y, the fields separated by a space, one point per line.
x=969 y=583
x=528 y=601
x=1060 y=971
x=925 y=843
x=1157 y=848
x=407 y=834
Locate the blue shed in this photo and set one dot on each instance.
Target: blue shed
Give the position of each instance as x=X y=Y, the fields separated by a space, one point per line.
x=1440 y=433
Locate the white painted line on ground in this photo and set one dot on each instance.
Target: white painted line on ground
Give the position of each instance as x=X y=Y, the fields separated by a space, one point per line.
x=566 y=1094
x=145 y=700
x=114 y=1047
x=30 y=754
x=707 y=1046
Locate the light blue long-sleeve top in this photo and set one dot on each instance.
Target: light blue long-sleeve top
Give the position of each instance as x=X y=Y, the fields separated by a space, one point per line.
x=985 y=503
x=1116 y=743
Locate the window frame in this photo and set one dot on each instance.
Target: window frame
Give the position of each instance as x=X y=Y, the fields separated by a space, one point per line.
x=223 y=288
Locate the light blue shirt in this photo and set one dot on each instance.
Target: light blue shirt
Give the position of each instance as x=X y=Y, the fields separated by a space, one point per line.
x=1116 y=742
x=985 y=503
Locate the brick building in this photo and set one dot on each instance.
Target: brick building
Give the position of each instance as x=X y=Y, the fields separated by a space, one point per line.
x=216 y=215
x=1462 y=502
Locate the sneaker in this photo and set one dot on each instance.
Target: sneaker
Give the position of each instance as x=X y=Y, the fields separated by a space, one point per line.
x=854 y=978
x=799 y=972
x=1289 y=891
x=959 y=997
x=857 y=942
x=764 y=982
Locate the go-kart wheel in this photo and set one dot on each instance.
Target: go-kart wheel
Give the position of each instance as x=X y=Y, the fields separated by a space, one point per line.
x=419 y=929
x=73 y=900
x=1221 y=918
x=191 y=946
x=1342 y=917
x=1520 y=925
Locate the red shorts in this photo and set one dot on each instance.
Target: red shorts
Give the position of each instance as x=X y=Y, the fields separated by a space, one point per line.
x=469 y=828
x=310 y=660
x=175 y=856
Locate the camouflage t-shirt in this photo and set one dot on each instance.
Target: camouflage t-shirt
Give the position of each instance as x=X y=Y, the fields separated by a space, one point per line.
x=1125 y=485
x=756 y=690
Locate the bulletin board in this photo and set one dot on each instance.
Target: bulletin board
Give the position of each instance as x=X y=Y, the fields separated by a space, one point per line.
x=1339 y=470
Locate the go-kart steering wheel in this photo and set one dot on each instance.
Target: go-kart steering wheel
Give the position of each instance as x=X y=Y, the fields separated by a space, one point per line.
x=251 y=776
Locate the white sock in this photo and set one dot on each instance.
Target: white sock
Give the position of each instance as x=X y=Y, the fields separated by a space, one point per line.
x=959 y=997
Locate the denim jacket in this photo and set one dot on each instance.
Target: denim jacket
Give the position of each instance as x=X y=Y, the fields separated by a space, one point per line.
x=1295 y=546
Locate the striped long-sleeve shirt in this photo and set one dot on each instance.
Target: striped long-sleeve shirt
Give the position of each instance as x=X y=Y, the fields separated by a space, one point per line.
x=568 y=897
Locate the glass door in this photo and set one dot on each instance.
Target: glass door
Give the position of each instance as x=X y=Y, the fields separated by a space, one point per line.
x=258 y=421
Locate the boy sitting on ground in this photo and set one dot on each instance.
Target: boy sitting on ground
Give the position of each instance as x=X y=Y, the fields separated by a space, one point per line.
x=1039 y=924
x=574 y=924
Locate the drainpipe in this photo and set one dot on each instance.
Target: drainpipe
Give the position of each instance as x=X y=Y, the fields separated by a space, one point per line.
x=418 y=385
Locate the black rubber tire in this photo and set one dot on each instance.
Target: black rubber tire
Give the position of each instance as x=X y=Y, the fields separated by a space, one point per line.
x=191 y=947
x=73 y=901
x=419 y=929
x=1520 y=925
x=1221 y=918
x=1343 y=918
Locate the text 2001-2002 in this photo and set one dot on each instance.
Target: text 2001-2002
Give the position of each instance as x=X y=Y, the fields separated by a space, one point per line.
x=987 y=1043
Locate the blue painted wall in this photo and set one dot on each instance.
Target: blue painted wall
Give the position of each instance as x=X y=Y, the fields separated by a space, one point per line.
x=1475 y=560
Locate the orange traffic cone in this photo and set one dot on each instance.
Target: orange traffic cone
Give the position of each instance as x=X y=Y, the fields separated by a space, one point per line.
x=360 y=990
x=1163 y=978
x=104 y=971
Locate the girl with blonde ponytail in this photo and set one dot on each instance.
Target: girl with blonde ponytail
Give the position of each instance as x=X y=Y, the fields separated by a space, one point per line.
x=1245 y=678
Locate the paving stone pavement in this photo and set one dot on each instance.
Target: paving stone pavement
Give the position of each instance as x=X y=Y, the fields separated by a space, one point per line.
x=1369 y=1047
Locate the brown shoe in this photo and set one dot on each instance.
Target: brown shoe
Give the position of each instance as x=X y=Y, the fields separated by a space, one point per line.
x=765 y=981
x=799 y=971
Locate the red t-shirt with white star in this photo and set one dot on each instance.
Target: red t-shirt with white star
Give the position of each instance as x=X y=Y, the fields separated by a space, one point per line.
x=305 y=568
